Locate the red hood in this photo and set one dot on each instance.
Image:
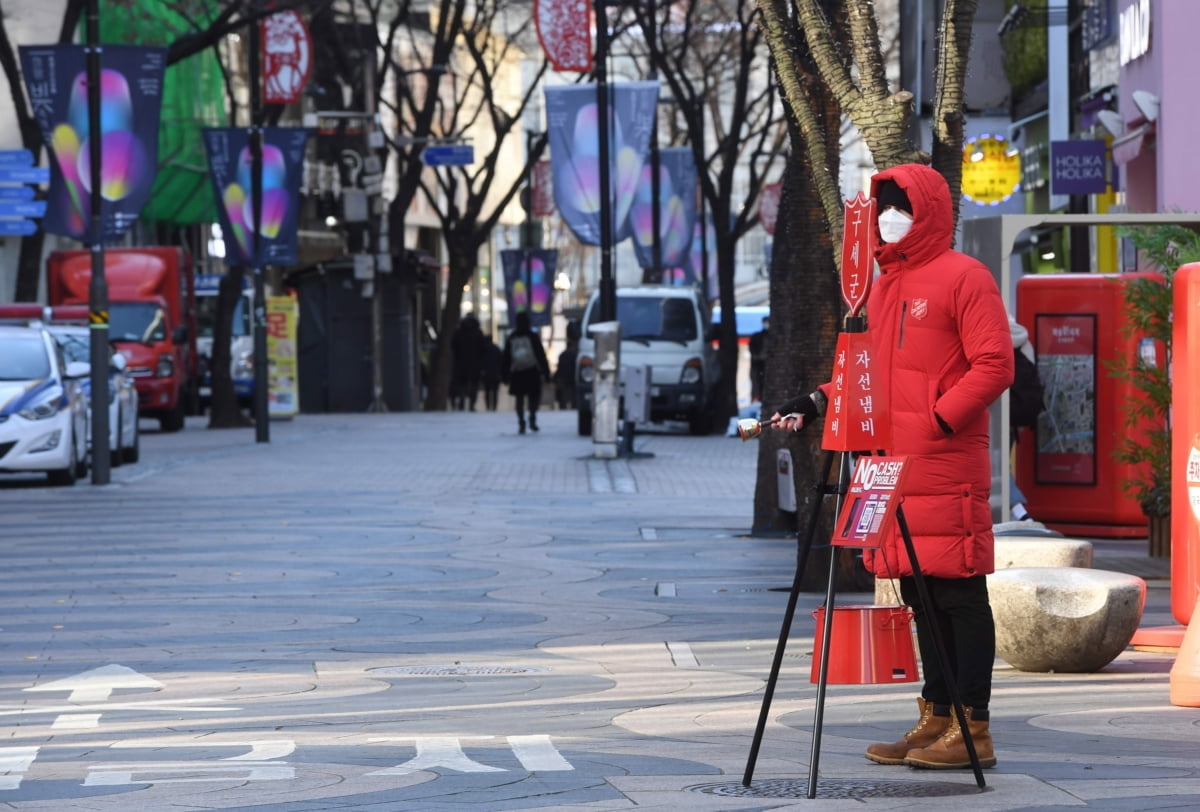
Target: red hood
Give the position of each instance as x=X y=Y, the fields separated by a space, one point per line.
x=932 y=231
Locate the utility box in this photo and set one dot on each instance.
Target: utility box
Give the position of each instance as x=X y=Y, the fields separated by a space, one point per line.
x=606 y=392
x=1067 y=468
x=637 y=392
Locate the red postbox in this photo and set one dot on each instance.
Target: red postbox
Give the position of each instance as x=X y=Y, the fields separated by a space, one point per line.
x=1067 y=468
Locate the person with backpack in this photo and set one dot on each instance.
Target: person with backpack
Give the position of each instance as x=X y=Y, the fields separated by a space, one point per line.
x=524 y=368
x=1026 y=400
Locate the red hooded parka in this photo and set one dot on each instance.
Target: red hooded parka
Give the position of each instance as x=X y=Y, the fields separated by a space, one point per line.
x=942 y=349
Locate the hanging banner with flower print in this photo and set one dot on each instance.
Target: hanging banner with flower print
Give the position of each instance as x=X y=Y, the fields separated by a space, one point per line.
x=230 y=167
x=574 y=135
x=529 y=282
x=676 y=205
x=131 y=82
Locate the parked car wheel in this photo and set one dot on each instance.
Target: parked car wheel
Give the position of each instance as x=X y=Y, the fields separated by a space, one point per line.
x=68 y=475
x=131 y=453
x=585 y=422
x=172 y=420
x=700 y=421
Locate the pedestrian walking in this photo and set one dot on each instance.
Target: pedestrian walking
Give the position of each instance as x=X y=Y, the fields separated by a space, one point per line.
x=564 y=375
x=524 y=368
x=468 y=346
x=493 y=357
x=941 y=344
x=1026 y=401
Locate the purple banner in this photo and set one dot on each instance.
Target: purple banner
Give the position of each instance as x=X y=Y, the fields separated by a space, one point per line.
x=131 y=81
x=229 y=163
x=529 y=285
x=677 y=207
x=575 y=153
x=1078 y=168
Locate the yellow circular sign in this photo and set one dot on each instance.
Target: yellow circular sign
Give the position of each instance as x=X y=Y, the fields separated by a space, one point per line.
x=991 y=170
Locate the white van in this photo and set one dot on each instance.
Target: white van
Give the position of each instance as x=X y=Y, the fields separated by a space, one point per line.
x=666 y=328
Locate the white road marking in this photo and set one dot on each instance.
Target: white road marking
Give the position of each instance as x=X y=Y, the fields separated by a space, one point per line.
x=14 y=762
x=98 y=684
x=436 y=751
x=682 y=656
x=536 y=753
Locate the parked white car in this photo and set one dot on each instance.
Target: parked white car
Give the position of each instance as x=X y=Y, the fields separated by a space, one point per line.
x=43 y=410
x=124 y=442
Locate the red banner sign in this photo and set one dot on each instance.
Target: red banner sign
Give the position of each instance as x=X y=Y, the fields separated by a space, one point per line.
x=286 y=57
x=564 y=28
x=858 y=251
x=855 y=419
x=768 y=206
x=870 y=504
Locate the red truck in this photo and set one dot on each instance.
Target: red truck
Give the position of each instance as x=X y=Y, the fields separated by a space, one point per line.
x=152 y=320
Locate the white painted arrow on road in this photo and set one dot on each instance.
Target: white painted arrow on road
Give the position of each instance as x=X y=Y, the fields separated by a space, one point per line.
x=99 y=683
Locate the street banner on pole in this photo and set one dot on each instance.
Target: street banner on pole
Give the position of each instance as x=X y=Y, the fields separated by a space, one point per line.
x=677 y=207
x=528 y=286
x=855 y=419
x=575 y=149
x=130 y=102
x=229 y=163
x=286 y=57
x=564 y=28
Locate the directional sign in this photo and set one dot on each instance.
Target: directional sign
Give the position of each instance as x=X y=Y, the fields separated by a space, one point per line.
x=11 y=208
x=16 y=157
x=448 y=155
x=33 y=174
x=17 y=228
x=16 y=193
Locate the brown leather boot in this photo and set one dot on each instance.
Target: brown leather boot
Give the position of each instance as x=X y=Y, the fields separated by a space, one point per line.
x=925 y=732
x=950 y=751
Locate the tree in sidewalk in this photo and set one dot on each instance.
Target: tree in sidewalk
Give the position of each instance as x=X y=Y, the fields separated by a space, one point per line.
x=481 y=52
x=829 y=52
x=711 y=59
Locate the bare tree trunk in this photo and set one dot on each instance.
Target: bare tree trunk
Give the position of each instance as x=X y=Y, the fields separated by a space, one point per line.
x=224 y=412
x=462 y=268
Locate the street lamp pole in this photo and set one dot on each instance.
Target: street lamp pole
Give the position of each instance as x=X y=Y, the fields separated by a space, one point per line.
x=262 y=432
x=98 y=286
x=608 y=285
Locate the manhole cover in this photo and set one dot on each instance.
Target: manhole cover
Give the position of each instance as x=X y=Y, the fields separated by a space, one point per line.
x=458 y=670
x=836 y=788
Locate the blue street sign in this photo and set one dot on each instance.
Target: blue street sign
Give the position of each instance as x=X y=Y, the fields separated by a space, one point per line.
x=20 y=158
x=34 y=174
x=16 y=193
x=448 y=155
x=23 y=228
x=34 y=208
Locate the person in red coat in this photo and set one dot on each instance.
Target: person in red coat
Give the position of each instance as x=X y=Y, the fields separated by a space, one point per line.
x=943 y=353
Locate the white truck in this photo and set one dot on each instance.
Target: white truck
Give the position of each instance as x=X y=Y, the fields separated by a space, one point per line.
x=668 y=329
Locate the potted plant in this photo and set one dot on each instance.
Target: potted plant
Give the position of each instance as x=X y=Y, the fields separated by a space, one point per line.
x=1147 y=440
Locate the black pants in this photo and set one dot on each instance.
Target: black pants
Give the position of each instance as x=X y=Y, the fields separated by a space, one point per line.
x=963 y=615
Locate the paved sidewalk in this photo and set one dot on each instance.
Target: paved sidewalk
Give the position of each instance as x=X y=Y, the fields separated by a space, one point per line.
x=430 y=611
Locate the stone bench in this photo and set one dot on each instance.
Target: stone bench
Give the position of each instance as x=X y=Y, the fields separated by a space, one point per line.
x=1064 y=619
x=1017 y=551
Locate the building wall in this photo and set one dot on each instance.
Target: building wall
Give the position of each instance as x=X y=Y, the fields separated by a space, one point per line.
x=1164 y=176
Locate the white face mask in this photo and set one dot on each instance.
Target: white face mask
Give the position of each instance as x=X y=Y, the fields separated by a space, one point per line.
x=893 y=225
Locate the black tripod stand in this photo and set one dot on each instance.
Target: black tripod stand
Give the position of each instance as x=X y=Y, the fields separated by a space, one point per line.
x=840 y=490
